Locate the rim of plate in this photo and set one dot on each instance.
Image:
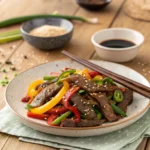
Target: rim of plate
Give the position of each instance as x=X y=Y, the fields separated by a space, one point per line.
x=79 y=128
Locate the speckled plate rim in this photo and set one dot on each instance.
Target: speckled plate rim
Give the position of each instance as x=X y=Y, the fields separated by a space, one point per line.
x=105 y=125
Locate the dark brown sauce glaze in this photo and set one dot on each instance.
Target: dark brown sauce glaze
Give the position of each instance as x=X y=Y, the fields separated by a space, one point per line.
x=117 y=43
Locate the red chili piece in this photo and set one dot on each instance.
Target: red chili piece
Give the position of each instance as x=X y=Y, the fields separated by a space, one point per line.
x=65 y=102
x=57 y=110
x=38 y=116
x=26 y=99
x=51 y=119
x=93 y=74
x=55 y=74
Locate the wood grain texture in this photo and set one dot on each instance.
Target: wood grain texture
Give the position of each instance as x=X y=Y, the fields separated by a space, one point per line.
x=79 y=45
x=3 y=139
x=142 y=146
x=142 y=62
x=14 y=144
x=148 y=144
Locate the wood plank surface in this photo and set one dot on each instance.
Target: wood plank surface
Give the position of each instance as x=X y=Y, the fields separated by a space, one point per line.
x=142 y=62
x=142 y=146
x=36 y=57
x=79 y=45
x=148 y=145
x=14 y=144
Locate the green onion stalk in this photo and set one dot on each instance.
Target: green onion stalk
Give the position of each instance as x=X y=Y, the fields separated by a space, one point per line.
x=21 y=19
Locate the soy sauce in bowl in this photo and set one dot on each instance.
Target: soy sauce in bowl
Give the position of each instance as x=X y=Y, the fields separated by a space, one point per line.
x=117 y=43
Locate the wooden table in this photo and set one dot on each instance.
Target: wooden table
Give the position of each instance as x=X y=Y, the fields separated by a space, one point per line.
x=112 y=16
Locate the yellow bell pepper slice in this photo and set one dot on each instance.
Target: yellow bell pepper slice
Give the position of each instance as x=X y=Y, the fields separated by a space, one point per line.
x=47 y=106
x=32 y=92
x=84 y=72
x=97 y=77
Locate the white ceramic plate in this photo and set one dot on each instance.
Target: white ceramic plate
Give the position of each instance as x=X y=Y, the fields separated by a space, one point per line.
x=18 y=87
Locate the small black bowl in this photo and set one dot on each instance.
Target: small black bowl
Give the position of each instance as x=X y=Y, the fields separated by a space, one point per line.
x=93 y=4
x=47 y=43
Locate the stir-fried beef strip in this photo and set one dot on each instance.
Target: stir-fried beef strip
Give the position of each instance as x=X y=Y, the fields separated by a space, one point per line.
x=127 y=100
x=82 y=123
x=44 y=85
x=45 y=94
x=105 y=106
x=83 y=106
x=90 y=99
x=89 y=85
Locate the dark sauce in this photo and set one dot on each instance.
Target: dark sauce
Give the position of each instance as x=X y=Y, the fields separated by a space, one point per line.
x=117 y=43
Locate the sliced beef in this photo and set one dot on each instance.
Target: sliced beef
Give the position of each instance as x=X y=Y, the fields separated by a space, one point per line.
x=46 y=83
x=83 y=106
x=90 y=99
x=89 y=85
x=45 y=94
x=82 y=123
x=68 y=123
x=127 y=100
x=105 y=106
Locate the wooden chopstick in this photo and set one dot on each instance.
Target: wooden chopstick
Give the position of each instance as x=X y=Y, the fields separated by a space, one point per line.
x=135 y=86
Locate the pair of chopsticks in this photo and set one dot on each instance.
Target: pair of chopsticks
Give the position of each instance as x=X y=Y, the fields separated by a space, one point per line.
x=133 y=85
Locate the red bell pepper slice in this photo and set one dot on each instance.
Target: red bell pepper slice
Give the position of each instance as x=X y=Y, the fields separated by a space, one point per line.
x=38 y=116
x=55 y=74
x=51 y=119
x=65 y=102
x=26 y=99
x=57 y=110
x=123 y=89
x=93 y=73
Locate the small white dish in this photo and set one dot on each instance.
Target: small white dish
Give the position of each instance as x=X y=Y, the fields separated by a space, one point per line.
x=18 y=87
x=117 y=54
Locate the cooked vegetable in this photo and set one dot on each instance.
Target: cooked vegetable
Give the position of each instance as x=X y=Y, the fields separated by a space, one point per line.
x=21 y=19
x=93 y=74
x=52 y=118
x=85 y=73
x=26 y=99
x=97 y=78
x=57 y=110
x=55 y=74
x=118 y=96
x=49 y=78
x=99 y=82
x=28 y=107
x=58 y=120
x=74 y=98
x=118 y=110
x=108 y=81
x=65 y=102
x=53 y=102
x=32 y=89
x=65 y=74
x=81 y=92
x=99 y=114
x=38 y=116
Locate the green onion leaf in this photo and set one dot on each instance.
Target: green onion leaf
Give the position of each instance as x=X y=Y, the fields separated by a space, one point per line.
x=28 y=107
x=81 y=92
